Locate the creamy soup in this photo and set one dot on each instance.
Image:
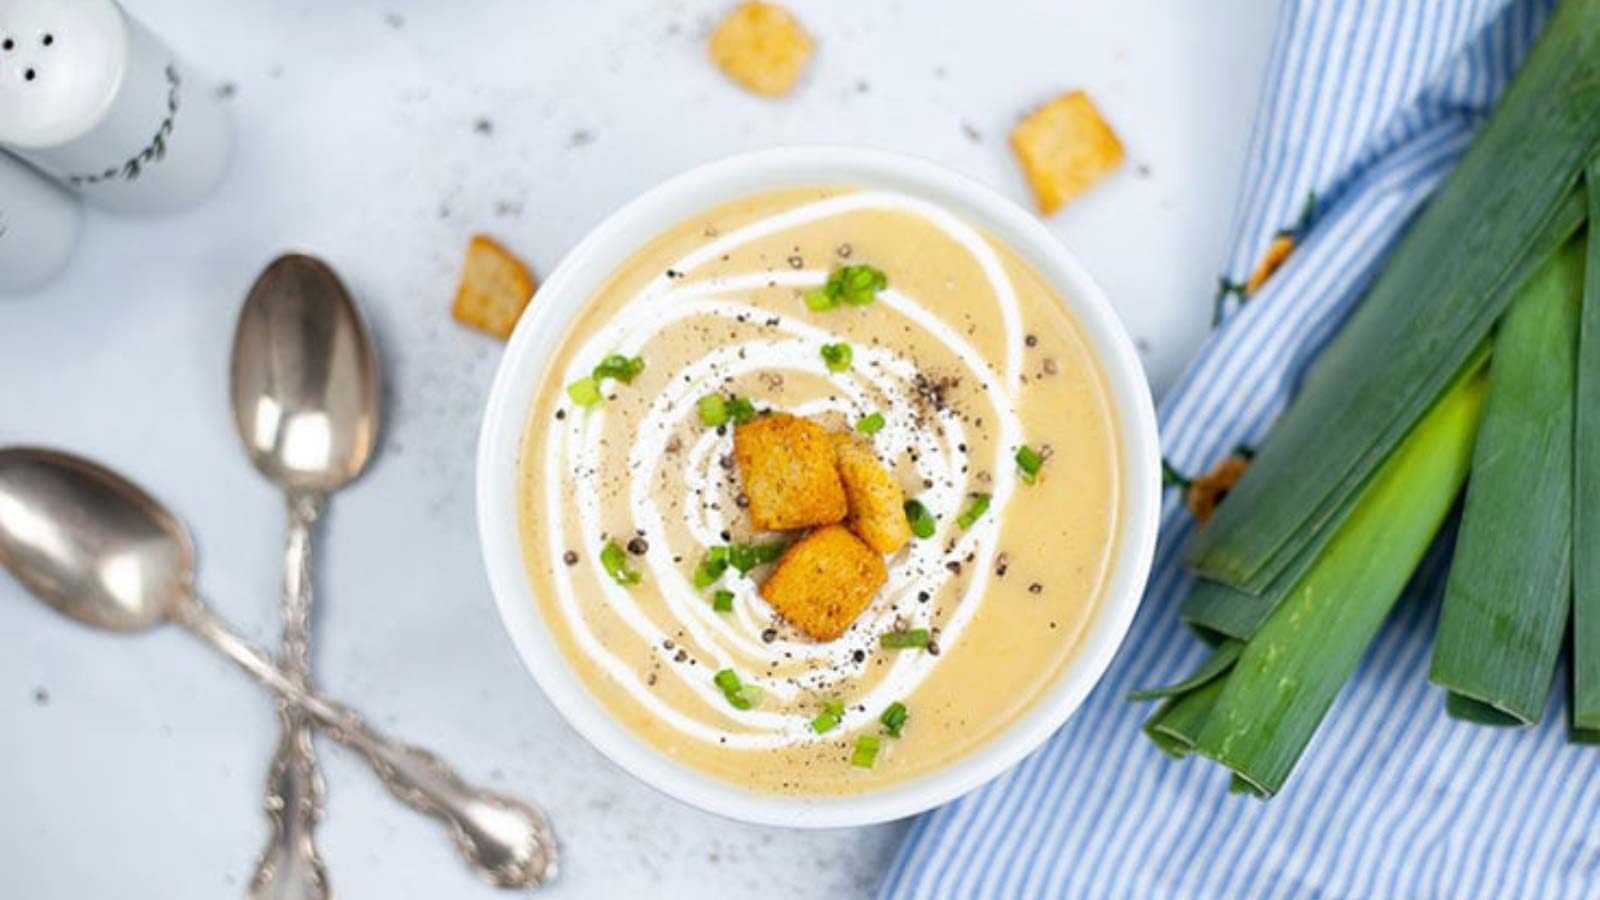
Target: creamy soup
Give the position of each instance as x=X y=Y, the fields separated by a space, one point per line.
x=966 y=356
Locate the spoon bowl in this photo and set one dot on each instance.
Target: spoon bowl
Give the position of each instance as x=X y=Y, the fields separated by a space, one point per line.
x=90 y=544
x=304 y=378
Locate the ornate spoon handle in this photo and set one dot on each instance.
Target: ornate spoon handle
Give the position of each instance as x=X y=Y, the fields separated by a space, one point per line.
x=506 y=841
x=290 y=867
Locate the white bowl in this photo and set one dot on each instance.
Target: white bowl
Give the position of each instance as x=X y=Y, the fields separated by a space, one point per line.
x=563 y=295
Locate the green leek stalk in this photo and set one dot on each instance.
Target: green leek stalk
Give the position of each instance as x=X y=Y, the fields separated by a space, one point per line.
x=1290 y=671
x=1586 y=492
x=1508 y=600
x=1512 y=201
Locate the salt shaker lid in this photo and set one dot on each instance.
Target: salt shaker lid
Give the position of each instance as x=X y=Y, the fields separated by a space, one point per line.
x=61 y=64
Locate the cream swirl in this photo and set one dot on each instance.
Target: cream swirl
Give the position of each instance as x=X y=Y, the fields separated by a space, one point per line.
x=880 y=379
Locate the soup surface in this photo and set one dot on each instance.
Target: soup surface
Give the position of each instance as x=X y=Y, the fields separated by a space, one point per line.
x=966 y=356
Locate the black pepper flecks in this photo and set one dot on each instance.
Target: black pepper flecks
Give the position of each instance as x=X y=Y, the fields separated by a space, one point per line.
x=638 y=546
x=570 y=557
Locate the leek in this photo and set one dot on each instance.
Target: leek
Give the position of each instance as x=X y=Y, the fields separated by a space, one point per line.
x=1509 y=595
x=1289 y=672
x=1586 y=492
x=1512 y=201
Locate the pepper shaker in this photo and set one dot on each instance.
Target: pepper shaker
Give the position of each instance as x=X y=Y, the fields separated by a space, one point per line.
x=39 y=225
x=93 y=99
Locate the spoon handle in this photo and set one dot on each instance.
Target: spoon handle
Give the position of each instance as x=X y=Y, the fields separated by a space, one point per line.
x=507 y=842
x=290 y=867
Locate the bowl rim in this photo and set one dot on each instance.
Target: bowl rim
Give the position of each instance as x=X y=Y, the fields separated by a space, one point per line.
x=538 y=335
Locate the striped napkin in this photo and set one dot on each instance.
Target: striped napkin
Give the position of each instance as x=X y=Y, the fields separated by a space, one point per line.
x=1368 y=105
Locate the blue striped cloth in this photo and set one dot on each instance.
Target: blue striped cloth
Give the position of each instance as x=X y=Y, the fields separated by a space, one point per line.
x=1368 y=104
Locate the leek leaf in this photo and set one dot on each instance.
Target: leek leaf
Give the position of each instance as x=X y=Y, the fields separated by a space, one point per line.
x=1513 y=199
x=1507 y=602
x=1294 y=666
x=1215 y=666
x=1586 y=487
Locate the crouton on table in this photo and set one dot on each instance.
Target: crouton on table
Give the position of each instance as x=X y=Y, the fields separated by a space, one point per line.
x=495 y=288
x=762 y=47
x=877 y=504
x=1065 y=148
x=824 y=581
x=788 y=469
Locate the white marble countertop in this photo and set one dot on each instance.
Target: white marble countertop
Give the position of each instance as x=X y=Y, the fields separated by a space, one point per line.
x=380 y=135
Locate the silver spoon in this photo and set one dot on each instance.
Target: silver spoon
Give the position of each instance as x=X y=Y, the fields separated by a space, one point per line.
x=101 y=551
x=304 y=383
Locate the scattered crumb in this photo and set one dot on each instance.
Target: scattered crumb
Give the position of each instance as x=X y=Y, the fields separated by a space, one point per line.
x=581 y=138
x=394 y=20
x=41 y=697
x=972 y=132
x=483 y=125
x=495 y=288
x=226 y=90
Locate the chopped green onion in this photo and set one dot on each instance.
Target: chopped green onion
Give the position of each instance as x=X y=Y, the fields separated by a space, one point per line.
x=819 y=300
x=738 y=694
x=740 y=410
x=1029 y=462
x=894 y=718
x=746 y=696
x=622 y=368
x=585 y=392
x=829 y=718
x=904 y=640
x=722 y=601
x=713 y=410
x=979 y=506
x=745 y=557
x=871 y=424
x=921 y=521
x=859 y=285
x=837 y=357
x=711 y=568
x=616 y=565
x=854 y=285
x=866 y=752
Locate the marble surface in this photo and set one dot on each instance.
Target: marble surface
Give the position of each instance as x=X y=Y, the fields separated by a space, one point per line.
x=381 y=135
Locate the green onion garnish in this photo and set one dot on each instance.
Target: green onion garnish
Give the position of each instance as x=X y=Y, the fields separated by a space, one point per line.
x=711 y=568
x=837 y=357
x=916 y=638
x=740 y=410
x=722 y=601
x=745 y=557
x=921 y=521
x=713 y=410
x=828 y=719
x=979 y=506
x=894 y=718
x=739 y=695
x=854 y=285
x=1028 y=463
x=622 y=368
x=746 y=696
x=866 y=752
x=871 y=424
x=585 y=392
x=616 y=565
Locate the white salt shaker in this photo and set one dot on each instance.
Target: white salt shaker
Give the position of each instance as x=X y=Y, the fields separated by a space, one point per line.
x=93 y=99
x=39 y=224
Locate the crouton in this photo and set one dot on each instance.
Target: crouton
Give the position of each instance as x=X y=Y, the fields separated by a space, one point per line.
x=495 y=288
x=824 y=582
x=877 y=505
x=789 y=472
x=1065 y=148
x=762 y=47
